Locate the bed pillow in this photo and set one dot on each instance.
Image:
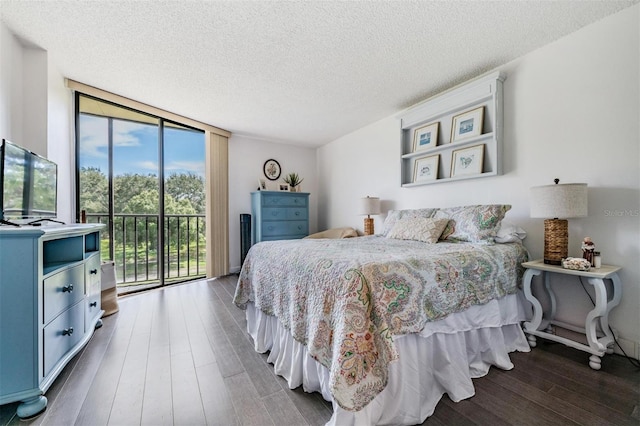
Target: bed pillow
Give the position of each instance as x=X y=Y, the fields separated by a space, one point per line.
x=479 y=223
x=394 y=215
x=423 y=229
x=510 y=233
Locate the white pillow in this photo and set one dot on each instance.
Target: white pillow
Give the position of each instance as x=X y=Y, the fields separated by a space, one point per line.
x=423 y=229
x=510 y=233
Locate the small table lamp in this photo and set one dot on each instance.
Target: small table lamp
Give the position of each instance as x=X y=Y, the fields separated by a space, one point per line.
x=559 y=201
x=369 y=206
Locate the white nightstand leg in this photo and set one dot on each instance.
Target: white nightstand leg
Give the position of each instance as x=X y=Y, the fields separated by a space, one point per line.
x=537 y=307
x=608 y=340
x=595 y=315
x=551 y=314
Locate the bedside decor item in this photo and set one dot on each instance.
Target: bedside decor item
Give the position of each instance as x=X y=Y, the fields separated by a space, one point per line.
x=369 y=206
x=271 y=169
x=425 y=137
x=294 y=181
x=426 y=168
x=262 y=185
x=576 y=264
x=588 y=248
x=559 y=202
x=284 y=187
x=467 y=161
x=467 y=124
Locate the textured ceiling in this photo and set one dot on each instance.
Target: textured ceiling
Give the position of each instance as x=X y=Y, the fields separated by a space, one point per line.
x=299 y=72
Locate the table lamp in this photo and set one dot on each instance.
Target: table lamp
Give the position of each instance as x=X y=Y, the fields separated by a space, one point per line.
x=560 y=202
x=369 y=206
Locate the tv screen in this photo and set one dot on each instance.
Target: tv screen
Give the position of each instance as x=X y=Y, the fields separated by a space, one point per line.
x=28 y=184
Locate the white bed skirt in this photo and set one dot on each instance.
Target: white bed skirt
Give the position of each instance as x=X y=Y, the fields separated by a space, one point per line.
x=443 y=358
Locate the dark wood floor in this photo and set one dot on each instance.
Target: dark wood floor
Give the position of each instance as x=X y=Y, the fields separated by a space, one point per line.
x=181 y=356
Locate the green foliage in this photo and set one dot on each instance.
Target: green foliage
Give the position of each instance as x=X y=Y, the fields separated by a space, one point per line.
x=293 y=179
x=187 y=186
x=94 y=194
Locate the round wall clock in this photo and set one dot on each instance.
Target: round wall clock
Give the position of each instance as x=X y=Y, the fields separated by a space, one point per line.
x=271 y=169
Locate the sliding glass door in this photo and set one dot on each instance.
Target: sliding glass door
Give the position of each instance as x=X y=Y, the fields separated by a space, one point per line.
x=144 y=177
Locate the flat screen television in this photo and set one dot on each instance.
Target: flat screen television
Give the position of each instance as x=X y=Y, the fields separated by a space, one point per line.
x=28 y=184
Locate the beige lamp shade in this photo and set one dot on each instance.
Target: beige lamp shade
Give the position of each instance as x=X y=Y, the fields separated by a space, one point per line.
x=369 y=206
x=561 y=201
x=556 y=203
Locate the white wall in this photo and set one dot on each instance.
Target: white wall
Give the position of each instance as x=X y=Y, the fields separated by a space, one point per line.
x=36 y=110
x=11 y=59
x=571 y=111
x=246 y=158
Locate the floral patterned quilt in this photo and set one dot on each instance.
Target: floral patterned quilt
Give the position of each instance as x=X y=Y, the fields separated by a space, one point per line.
x=345 y=299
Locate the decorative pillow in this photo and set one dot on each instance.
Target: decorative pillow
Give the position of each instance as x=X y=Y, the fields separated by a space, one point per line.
x=423 y=229
x=510 y=233
x=472 y=223
x=394 y=215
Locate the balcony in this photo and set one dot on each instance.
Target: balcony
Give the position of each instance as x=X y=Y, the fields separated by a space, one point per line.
x=132 y=242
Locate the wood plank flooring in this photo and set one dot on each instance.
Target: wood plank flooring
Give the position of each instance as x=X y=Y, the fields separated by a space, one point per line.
x=181 y=356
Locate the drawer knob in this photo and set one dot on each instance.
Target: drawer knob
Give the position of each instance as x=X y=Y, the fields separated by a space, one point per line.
x=93 y=304
x=67 y=331
x=67 y=288
x=93 y=271
x=297 y=213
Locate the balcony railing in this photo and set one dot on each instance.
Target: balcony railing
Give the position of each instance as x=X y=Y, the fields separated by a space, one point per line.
x=134 y=247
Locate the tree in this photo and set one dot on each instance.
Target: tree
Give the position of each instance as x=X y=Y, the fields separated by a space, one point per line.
x=128 y=186
x=94 y=190
x=187 y=186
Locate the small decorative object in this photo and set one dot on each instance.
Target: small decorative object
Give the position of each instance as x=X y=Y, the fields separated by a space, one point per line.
x=369 y=206
x=425 y=137
x=467 y=161
x=576 y=263
x=262 y=185
x=588 y=247
x=426 y=168
x=271 y=169
x=558 y=202
x=294 y=181
x=284 y=187
x=597 y=260
x=467 y=124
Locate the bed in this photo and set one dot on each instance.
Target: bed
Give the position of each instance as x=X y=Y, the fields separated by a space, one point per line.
x=384 y=325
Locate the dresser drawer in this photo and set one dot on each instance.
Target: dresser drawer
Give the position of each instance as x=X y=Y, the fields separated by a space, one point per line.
x=286 y=213
x=62 y=334
x=289 y=200
x=94 y=289
x=62 y=290
x=272 y=229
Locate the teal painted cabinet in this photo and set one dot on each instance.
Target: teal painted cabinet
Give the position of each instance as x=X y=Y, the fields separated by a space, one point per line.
x=279 y=215
x=49 y=306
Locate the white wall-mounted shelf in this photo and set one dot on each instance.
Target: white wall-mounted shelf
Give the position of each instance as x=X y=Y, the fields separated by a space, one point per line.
x=483 y=92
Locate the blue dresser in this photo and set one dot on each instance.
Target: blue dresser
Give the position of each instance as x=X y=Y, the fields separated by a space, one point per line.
x=49 y=306
x=279 y=215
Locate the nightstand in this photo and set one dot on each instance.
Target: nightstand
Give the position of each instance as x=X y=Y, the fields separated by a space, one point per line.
x=605 y=301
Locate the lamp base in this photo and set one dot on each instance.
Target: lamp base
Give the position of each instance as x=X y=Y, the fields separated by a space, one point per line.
x=556 y=241
x=368 y=226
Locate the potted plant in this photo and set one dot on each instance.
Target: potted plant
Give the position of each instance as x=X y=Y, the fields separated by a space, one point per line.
x=294 y=180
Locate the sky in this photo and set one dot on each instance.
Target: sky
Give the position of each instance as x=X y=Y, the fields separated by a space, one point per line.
x=136 y=147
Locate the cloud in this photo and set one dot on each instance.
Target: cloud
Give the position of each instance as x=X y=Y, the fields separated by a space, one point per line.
x=93 y=140
x=195 y=167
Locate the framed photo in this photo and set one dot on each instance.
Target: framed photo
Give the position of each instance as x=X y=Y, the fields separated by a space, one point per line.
x=262 y=184
x=425 y=137
x=426 y=168
x=283 y=187
x=467 y=124
x=467 y=161
x=271 y=169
